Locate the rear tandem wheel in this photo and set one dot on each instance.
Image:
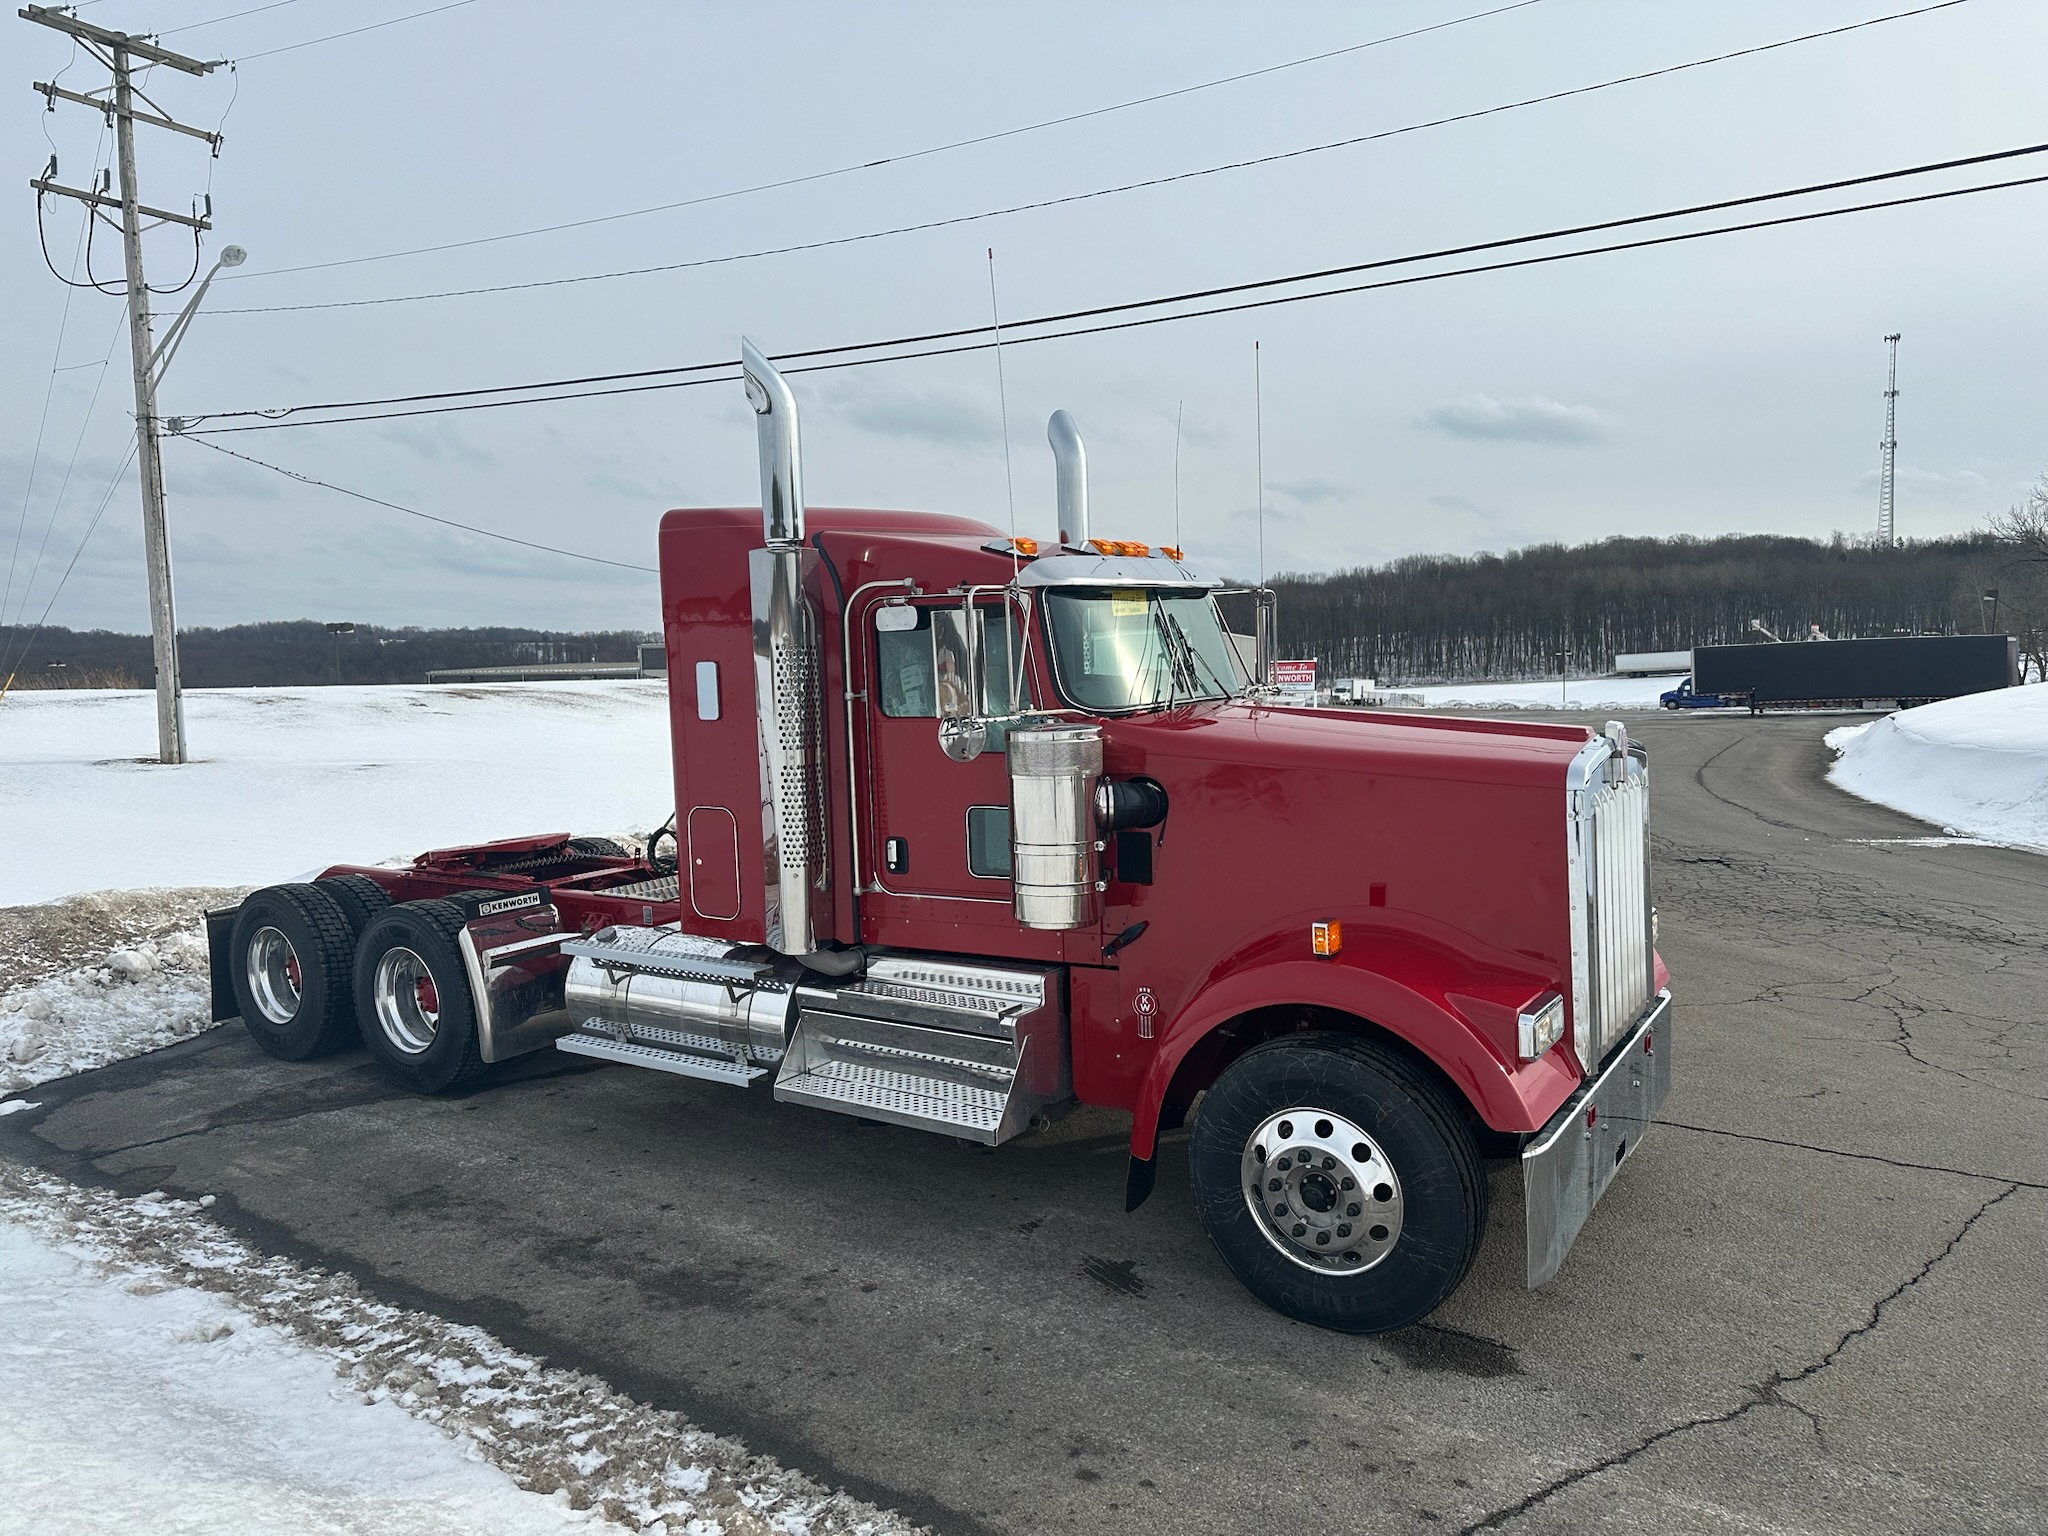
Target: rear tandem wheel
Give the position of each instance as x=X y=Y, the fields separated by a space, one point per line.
x=413 y=1003
x=290 y=953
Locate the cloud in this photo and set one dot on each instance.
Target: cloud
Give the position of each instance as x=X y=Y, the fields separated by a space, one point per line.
x=205 y=476
x=1312 y=489
x=1530 y=419
x=939 y=416
x=1961 y=485
x=625 y=488
x=436 y=442
x=1466 y=505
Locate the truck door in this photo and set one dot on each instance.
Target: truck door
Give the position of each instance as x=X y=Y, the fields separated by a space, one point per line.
x=934 y=827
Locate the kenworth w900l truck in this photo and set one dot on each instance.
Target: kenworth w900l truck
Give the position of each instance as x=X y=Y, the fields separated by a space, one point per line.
x=969 y=828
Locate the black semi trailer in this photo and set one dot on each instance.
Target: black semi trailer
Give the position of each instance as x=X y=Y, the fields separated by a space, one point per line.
x=1907 y=670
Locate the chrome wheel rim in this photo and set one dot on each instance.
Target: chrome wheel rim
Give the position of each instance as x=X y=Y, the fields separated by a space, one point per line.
x=1322 y=1191
x=275 y=979
x=408 y=1005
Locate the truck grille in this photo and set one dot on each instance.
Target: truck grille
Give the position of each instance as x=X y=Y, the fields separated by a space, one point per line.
x=1609 y=856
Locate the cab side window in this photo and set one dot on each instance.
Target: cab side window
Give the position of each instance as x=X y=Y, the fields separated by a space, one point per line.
x=903 y=668
x=909 y=689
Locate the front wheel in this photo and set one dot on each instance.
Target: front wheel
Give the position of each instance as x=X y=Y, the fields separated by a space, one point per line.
x=1339 y=1182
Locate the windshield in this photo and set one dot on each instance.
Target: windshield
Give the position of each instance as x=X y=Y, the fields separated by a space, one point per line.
x=1139 y=648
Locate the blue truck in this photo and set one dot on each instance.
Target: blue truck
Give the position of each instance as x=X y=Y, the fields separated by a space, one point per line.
x=1683 y=697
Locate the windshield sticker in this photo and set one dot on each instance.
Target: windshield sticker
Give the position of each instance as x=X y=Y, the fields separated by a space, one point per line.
x=1127 y=604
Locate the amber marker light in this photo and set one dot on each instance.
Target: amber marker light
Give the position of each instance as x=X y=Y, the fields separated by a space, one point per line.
x=1326 y=938
x=1171 y=553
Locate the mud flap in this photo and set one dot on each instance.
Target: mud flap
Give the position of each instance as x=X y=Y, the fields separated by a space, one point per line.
x=220 y=933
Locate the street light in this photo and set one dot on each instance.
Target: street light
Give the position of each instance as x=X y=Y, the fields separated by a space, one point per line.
x=338 y=630
x=160 y=359
x=1990 y=601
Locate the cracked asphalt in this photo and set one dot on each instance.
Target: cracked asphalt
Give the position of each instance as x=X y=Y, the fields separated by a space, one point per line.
x=1816 y=1300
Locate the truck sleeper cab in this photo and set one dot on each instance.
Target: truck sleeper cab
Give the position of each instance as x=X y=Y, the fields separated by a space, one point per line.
x=971 y=828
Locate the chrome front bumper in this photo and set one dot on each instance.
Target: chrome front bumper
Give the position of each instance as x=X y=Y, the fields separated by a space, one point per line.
x=1568 y=1164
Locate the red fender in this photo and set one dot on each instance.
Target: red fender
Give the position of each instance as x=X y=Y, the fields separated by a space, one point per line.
x=1507 y=1096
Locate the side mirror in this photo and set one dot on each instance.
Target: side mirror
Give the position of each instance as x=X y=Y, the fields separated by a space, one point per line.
x=957 y=681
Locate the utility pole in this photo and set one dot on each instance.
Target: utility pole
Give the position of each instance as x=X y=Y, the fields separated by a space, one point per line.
x=1887 y=520
x=119 y=51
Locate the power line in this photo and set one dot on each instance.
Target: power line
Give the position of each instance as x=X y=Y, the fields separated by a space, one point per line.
x=446 y=522
x=276 y=415
x=1150 y=320
x=352 y=32
x=194 y=26
x=1042 y=204
x=112 y=485
x=64 y=486
x=896 y=159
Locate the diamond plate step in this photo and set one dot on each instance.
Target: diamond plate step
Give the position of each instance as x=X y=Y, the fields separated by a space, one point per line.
x=684 y=1062
x=899 y=1098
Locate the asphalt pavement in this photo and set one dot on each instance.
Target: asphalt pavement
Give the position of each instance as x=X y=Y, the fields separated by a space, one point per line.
x=1816 y=1299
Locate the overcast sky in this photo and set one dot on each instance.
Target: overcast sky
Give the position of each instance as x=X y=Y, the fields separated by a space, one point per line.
x=1728 y=384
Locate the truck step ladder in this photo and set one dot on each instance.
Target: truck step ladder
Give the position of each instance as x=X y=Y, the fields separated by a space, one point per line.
x=665 y=1050
x=966 y=1050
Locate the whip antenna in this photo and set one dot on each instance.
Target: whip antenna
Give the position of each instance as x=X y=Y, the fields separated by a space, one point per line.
x=1259 y=449
x=1003 y=396
x=1178 y=411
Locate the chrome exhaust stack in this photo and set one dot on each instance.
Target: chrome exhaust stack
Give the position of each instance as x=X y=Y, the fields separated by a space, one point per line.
x=1070 y=462
x=795 y=874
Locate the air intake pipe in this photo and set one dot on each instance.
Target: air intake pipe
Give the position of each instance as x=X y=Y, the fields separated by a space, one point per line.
x=1070 y=462
x=795 y=875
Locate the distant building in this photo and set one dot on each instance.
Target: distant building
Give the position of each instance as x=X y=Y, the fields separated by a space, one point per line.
x=653 y=662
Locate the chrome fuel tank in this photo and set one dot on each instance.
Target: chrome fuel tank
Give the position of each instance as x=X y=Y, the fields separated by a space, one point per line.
x=655 y=978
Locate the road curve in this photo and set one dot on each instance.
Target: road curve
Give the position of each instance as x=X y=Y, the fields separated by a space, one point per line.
x=1814 y=1301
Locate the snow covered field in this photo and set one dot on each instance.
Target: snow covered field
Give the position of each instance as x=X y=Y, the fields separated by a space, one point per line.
x=286 y=780
x=1579 y=693
x=159 y=1375
x=1977 y=764
x=156 y=1373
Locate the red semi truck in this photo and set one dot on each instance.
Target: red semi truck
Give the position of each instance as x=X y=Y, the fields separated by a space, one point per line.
x=969 y=828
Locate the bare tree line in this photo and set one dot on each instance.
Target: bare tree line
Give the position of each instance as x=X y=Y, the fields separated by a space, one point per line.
x=1436 y=618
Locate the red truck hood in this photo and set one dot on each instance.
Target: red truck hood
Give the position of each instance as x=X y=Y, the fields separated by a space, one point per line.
x=1444 y=748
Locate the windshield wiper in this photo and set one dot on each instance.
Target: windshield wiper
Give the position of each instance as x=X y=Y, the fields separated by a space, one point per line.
x=1167 y=655
x=1195 y=659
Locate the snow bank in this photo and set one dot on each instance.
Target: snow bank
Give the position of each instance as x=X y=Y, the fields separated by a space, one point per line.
x=1977 y=764
x=157 y=1374
x=286 y=780
x=97 y=979
x=1580 y=693
x=129 y=1405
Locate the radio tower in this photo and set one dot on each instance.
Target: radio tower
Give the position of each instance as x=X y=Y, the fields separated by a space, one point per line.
x=1887 y=521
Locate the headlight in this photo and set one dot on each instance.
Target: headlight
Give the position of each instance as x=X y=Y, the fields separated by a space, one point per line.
x=1540 y=1025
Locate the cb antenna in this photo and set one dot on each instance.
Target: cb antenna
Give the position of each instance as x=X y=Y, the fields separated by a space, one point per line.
x=1259 y=449
x=1003 y=397
x=1178 y=411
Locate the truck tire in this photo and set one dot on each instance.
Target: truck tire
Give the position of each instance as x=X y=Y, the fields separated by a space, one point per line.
x=360 y=899
x=1340 y=1183
x=597 y=848
x=289 y=961
x=412 y=997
